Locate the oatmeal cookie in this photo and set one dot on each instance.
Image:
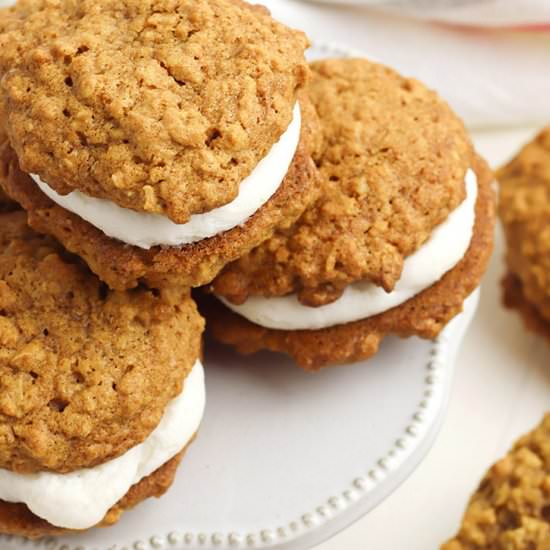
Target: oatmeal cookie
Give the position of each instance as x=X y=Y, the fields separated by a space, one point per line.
x=424 y=315
x=525 y=214
x=85 y=372
x=122 y=266
x=392 y=168
x=17 y=519
x=161 y=106
x=511 y=508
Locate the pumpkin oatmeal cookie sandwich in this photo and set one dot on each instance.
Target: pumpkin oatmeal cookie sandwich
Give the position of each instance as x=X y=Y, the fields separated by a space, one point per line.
x=157 y=139
x=398 y=239
x=524 y=208
x=101 y=391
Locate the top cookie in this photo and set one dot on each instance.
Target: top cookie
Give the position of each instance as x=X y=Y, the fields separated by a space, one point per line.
x=85 y=373
x=392 y=168
x=525 y=213
x=161 y=106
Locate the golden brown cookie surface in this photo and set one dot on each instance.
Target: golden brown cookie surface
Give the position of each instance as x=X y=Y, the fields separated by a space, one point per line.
x=160 y=105
x=524 y=209
x=85 y=373
x=17 y=519
x=511 y=508
x=393 y=167
x=122 y=266
x=424 y=315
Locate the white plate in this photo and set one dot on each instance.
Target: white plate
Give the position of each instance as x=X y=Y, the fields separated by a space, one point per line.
x=286 y=459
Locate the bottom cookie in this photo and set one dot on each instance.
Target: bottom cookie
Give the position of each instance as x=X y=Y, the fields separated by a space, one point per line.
x=17 y=519
x=514 y=297
x=424 y=315
x=511 y=508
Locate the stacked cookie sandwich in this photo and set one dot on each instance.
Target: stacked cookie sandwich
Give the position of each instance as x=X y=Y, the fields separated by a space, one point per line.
x=6 y=204
x=524 y=209
x=398 y=238
x=158 y=140
x=148 y=143
x=510 y=507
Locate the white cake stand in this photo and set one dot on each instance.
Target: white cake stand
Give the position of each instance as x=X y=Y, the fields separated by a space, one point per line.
x=286 y=459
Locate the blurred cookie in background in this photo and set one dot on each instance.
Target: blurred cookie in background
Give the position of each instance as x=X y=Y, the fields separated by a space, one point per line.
x=398 y=239
x=525 y=214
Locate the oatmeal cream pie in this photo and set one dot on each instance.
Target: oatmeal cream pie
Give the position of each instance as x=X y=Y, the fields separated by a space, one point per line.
x=524 y=209
x=157 y=139
x=101 y=391
x=511 y=508
x=399 y=237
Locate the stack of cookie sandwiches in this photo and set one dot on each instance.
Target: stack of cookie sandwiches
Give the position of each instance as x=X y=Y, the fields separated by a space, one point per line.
x=524 y=209
x=148 y=143
x=398 y=238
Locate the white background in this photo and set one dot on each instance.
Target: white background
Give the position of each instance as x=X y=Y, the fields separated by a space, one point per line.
x=496 y=81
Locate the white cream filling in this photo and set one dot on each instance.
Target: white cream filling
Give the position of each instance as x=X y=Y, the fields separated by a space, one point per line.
x=146 y=230
x=80 y=499
x=446 y=246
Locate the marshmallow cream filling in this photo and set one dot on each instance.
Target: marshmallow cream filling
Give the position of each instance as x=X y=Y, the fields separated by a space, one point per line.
x=146 y=230
x=80 y=499
x=446 y=246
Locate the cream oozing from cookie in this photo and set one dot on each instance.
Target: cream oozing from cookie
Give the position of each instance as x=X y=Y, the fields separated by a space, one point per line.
x=445 y=248
x=146 y=230
x=80 y=499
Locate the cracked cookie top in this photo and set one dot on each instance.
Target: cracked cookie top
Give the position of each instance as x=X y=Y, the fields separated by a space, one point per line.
x=85 y=372
x=161 y=106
